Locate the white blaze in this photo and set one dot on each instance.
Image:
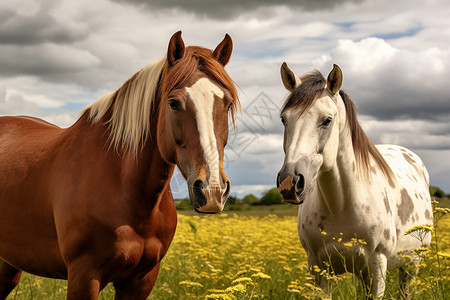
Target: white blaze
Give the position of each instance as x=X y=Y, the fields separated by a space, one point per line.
x=202 y=94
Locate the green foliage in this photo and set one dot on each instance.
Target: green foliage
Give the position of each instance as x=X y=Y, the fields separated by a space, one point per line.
x=436 y=192
x=271 y=197
x=250 y=199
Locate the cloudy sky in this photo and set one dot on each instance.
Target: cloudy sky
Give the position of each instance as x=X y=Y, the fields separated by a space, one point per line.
x=57 y=56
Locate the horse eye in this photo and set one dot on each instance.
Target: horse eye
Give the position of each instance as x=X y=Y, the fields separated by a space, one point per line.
x=283 y=121
x=174 y=104
x=229 y=106
x=327 y=122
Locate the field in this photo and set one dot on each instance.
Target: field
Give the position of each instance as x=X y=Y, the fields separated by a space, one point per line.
x=254 y=255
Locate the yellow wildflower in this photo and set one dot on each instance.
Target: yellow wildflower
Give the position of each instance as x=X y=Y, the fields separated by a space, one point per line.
x=244 y=280
x=220 y=297
x=362 y=242
x=238 y=288
x=420 y=231
x=216 y=291
x=348 y=244
x=240 y=273
x=444 y=255
x=189 y=283
x=261 y=275
x=421 y=250
x=419 y=228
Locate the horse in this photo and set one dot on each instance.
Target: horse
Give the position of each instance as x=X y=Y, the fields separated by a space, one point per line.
x=356 y=199
x=92 y=203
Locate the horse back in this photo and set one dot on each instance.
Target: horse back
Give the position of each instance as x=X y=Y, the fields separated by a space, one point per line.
x=412 y=201
x=24 y=128
x=24 y=143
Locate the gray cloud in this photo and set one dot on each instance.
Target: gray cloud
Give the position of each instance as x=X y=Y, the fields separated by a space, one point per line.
x=228 y=9
x=45 y=59
x=37 y=28
x=399 y=106
x=388 y=83
x=17 y=105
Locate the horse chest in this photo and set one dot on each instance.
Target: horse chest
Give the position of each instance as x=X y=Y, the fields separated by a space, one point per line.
x=137 y=253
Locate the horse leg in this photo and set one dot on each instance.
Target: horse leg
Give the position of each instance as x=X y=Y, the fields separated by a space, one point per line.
x=9 y=278
x=136 y=288
x=377 y=268
x=83 y=282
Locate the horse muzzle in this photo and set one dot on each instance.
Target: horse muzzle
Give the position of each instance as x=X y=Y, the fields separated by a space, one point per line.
x=292 y=188
x=207 y=198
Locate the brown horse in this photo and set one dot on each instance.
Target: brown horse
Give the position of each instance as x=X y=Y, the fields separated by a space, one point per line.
x=92 y=203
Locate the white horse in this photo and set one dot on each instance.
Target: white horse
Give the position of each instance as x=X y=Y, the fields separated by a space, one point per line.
x=358 y=198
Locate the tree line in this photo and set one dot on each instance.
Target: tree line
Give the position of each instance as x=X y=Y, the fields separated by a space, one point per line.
x=269 y=197
x=273 y=197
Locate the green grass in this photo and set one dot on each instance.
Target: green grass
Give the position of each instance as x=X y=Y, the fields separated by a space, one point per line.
x=254 y=253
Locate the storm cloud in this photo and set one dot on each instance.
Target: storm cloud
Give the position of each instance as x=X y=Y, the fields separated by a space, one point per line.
x=234 y=8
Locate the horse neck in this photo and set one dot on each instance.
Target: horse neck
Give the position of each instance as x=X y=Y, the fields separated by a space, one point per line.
x=146 y=175
x=338 y=187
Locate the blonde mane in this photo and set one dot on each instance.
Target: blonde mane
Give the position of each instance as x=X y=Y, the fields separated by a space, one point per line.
x=130 y=108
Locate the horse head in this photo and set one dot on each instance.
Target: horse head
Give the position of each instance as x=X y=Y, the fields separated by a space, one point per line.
x=197 y=97
x=311 y=130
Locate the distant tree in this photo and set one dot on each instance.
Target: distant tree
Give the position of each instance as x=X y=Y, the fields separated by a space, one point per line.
x=270 y=197
x=183 y=204
x=436 y=192
x=250 y=199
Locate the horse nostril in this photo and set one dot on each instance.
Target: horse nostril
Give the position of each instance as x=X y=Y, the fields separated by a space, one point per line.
x=278 y=180
x=300 y=184
x=198 y=184
x=200 y=198
x=227 y=191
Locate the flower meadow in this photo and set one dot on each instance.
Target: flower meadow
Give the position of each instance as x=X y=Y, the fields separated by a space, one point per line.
x=237 y=256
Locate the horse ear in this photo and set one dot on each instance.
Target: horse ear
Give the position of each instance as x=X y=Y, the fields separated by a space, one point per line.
x=290 y=80
x=223 y=51
x=334 y=80
x=176 y=48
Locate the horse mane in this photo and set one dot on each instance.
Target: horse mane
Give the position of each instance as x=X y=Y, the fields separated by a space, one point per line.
x=311 y=87
x=131 y=106
x=305 y=95
x=363 y=147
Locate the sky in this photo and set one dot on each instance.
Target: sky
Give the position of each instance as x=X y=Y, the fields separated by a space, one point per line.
x=57 y=56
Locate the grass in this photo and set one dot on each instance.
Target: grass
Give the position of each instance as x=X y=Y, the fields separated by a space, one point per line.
x=255 y=254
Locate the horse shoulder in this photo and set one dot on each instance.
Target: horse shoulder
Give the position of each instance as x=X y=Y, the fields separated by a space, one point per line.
x=162 y=226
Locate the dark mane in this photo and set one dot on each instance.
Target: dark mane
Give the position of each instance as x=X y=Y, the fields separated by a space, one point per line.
x=304 y=97
x=362 y=145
